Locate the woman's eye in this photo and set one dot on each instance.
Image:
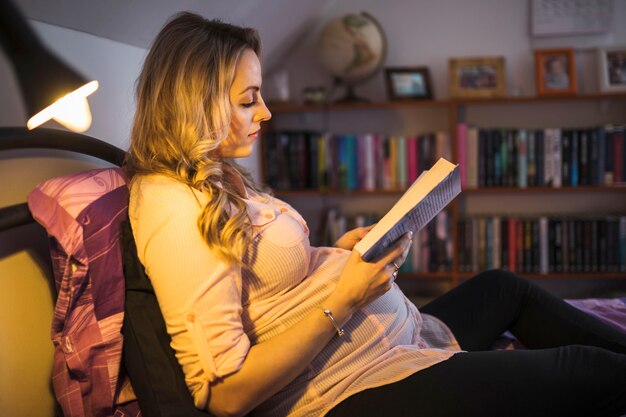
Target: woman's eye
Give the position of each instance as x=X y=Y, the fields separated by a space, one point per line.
x=250 y=104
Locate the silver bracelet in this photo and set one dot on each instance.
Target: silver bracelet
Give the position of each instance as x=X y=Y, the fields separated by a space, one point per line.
x=329 y=314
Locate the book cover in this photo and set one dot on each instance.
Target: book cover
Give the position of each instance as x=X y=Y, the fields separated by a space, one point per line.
x=426 y=197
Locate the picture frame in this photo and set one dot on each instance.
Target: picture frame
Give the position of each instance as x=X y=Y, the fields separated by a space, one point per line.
x=477 y=77
x=555 y=72
x=408 y=83
x=612 y=69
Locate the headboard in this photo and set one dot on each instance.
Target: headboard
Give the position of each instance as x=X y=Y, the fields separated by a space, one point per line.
x=28 y=294
x=12 y=138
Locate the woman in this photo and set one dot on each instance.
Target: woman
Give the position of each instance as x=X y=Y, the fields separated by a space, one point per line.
x=262 y=321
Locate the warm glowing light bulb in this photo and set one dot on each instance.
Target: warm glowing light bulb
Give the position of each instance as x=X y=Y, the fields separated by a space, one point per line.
x=71 y=110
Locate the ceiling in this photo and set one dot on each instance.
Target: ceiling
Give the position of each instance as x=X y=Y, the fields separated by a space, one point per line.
x=281 y=23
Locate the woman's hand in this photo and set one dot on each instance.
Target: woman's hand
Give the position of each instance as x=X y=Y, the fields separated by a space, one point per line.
x=352 y=237
x=362 y=282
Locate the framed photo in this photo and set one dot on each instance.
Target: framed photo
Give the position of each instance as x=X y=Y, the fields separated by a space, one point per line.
x=408 y=83
x=612 y=69
x=555 y=72
x=477 y=77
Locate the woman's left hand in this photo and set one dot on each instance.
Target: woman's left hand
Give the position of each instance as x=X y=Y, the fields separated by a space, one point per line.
x=352 y=237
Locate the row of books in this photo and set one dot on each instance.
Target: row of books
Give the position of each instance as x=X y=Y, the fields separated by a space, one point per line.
x=314 y=160
x=541 y=157
x=431 y=250
x=542 y=245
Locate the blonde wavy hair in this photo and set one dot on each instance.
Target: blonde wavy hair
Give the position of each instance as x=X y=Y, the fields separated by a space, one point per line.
x=183 y=114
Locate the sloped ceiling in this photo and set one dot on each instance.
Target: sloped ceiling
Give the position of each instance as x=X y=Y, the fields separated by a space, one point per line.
x=281 y=23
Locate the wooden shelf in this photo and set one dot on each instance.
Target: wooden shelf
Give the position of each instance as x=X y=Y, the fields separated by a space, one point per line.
x=585 y=189
x=427 y=276
x=288 y=107
x=551 y=190
x=336 y=193
x=558 y=275
x=379 y=105
x=455 y=109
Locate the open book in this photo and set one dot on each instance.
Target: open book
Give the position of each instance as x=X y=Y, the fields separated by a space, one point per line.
x=426 y=197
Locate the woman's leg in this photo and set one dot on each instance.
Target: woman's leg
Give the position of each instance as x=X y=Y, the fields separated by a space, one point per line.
x=566 y=381
x=481 y=309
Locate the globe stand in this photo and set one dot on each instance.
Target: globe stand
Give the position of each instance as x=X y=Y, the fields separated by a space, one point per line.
x=350 y=96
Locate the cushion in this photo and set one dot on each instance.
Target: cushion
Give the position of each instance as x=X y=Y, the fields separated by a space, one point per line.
x=158 y=379
x=82 y=214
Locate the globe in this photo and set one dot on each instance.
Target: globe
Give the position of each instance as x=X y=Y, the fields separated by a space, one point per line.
x=352 y=48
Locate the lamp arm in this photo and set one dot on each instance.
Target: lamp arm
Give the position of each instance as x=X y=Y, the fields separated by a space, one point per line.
x=16 y=36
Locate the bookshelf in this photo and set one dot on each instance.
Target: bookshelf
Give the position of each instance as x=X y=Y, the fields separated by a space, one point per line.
x=409 y=118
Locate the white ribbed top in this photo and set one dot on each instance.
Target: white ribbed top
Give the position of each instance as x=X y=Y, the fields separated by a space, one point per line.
x=215 y=311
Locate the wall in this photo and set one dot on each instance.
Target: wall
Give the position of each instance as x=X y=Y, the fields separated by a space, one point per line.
x=27 y=296
x=429 y=32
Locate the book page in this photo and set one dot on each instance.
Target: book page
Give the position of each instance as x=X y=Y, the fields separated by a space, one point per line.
x=428 y=200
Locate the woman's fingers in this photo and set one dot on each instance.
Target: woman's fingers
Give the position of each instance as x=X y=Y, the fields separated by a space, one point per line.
x=398 y=253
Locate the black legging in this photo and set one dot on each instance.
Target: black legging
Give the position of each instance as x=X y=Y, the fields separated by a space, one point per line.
x=575 y=365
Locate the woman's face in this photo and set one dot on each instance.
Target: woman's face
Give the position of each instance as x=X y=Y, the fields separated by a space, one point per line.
x=248 y=107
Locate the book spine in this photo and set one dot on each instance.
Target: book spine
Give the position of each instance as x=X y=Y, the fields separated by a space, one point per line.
x=574 y=158
x=512 y=244
x=401 y=155
x=594 y=157
x=618 y=154
x=497 y=244
x=411 y=146
x=539 y=158
x=532 y=168
x=556 y=158
x=504 y=242
x=313 y=176
x=386 y=183
x=512 y=164
x=558 y=245
x=543 y=246
x=601 y=155
x=564 y=247
x=622 y=244
x=583 y=158
x=369 y=173
x=461 y=148
x=522 y=161
x=472 y=157
x=566 y=157
x=548 y=163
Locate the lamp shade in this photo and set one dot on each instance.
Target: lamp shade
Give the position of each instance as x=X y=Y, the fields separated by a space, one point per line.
x=44 y=78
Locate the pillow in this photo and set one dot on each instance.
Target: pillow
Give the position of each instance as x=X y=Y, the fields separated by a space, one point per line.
x=82 y=214
x=158 y=379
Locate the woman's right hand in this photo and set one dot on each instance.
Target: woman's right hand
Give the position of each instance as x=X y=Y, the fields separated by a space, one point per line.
x=362 y=282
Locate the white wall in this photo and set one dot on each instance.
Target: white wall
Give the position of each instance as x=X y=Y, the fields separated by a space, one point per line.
x=26 y=298
x=429 y=32
x=115 y=65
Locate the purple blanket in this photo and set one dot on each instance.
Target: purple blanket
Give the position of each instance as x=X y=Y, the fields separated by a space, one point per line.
x=610 y=310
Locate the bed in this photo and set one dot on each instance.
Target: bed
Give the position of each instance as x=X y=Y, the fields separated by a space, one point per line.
x=92 y=203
